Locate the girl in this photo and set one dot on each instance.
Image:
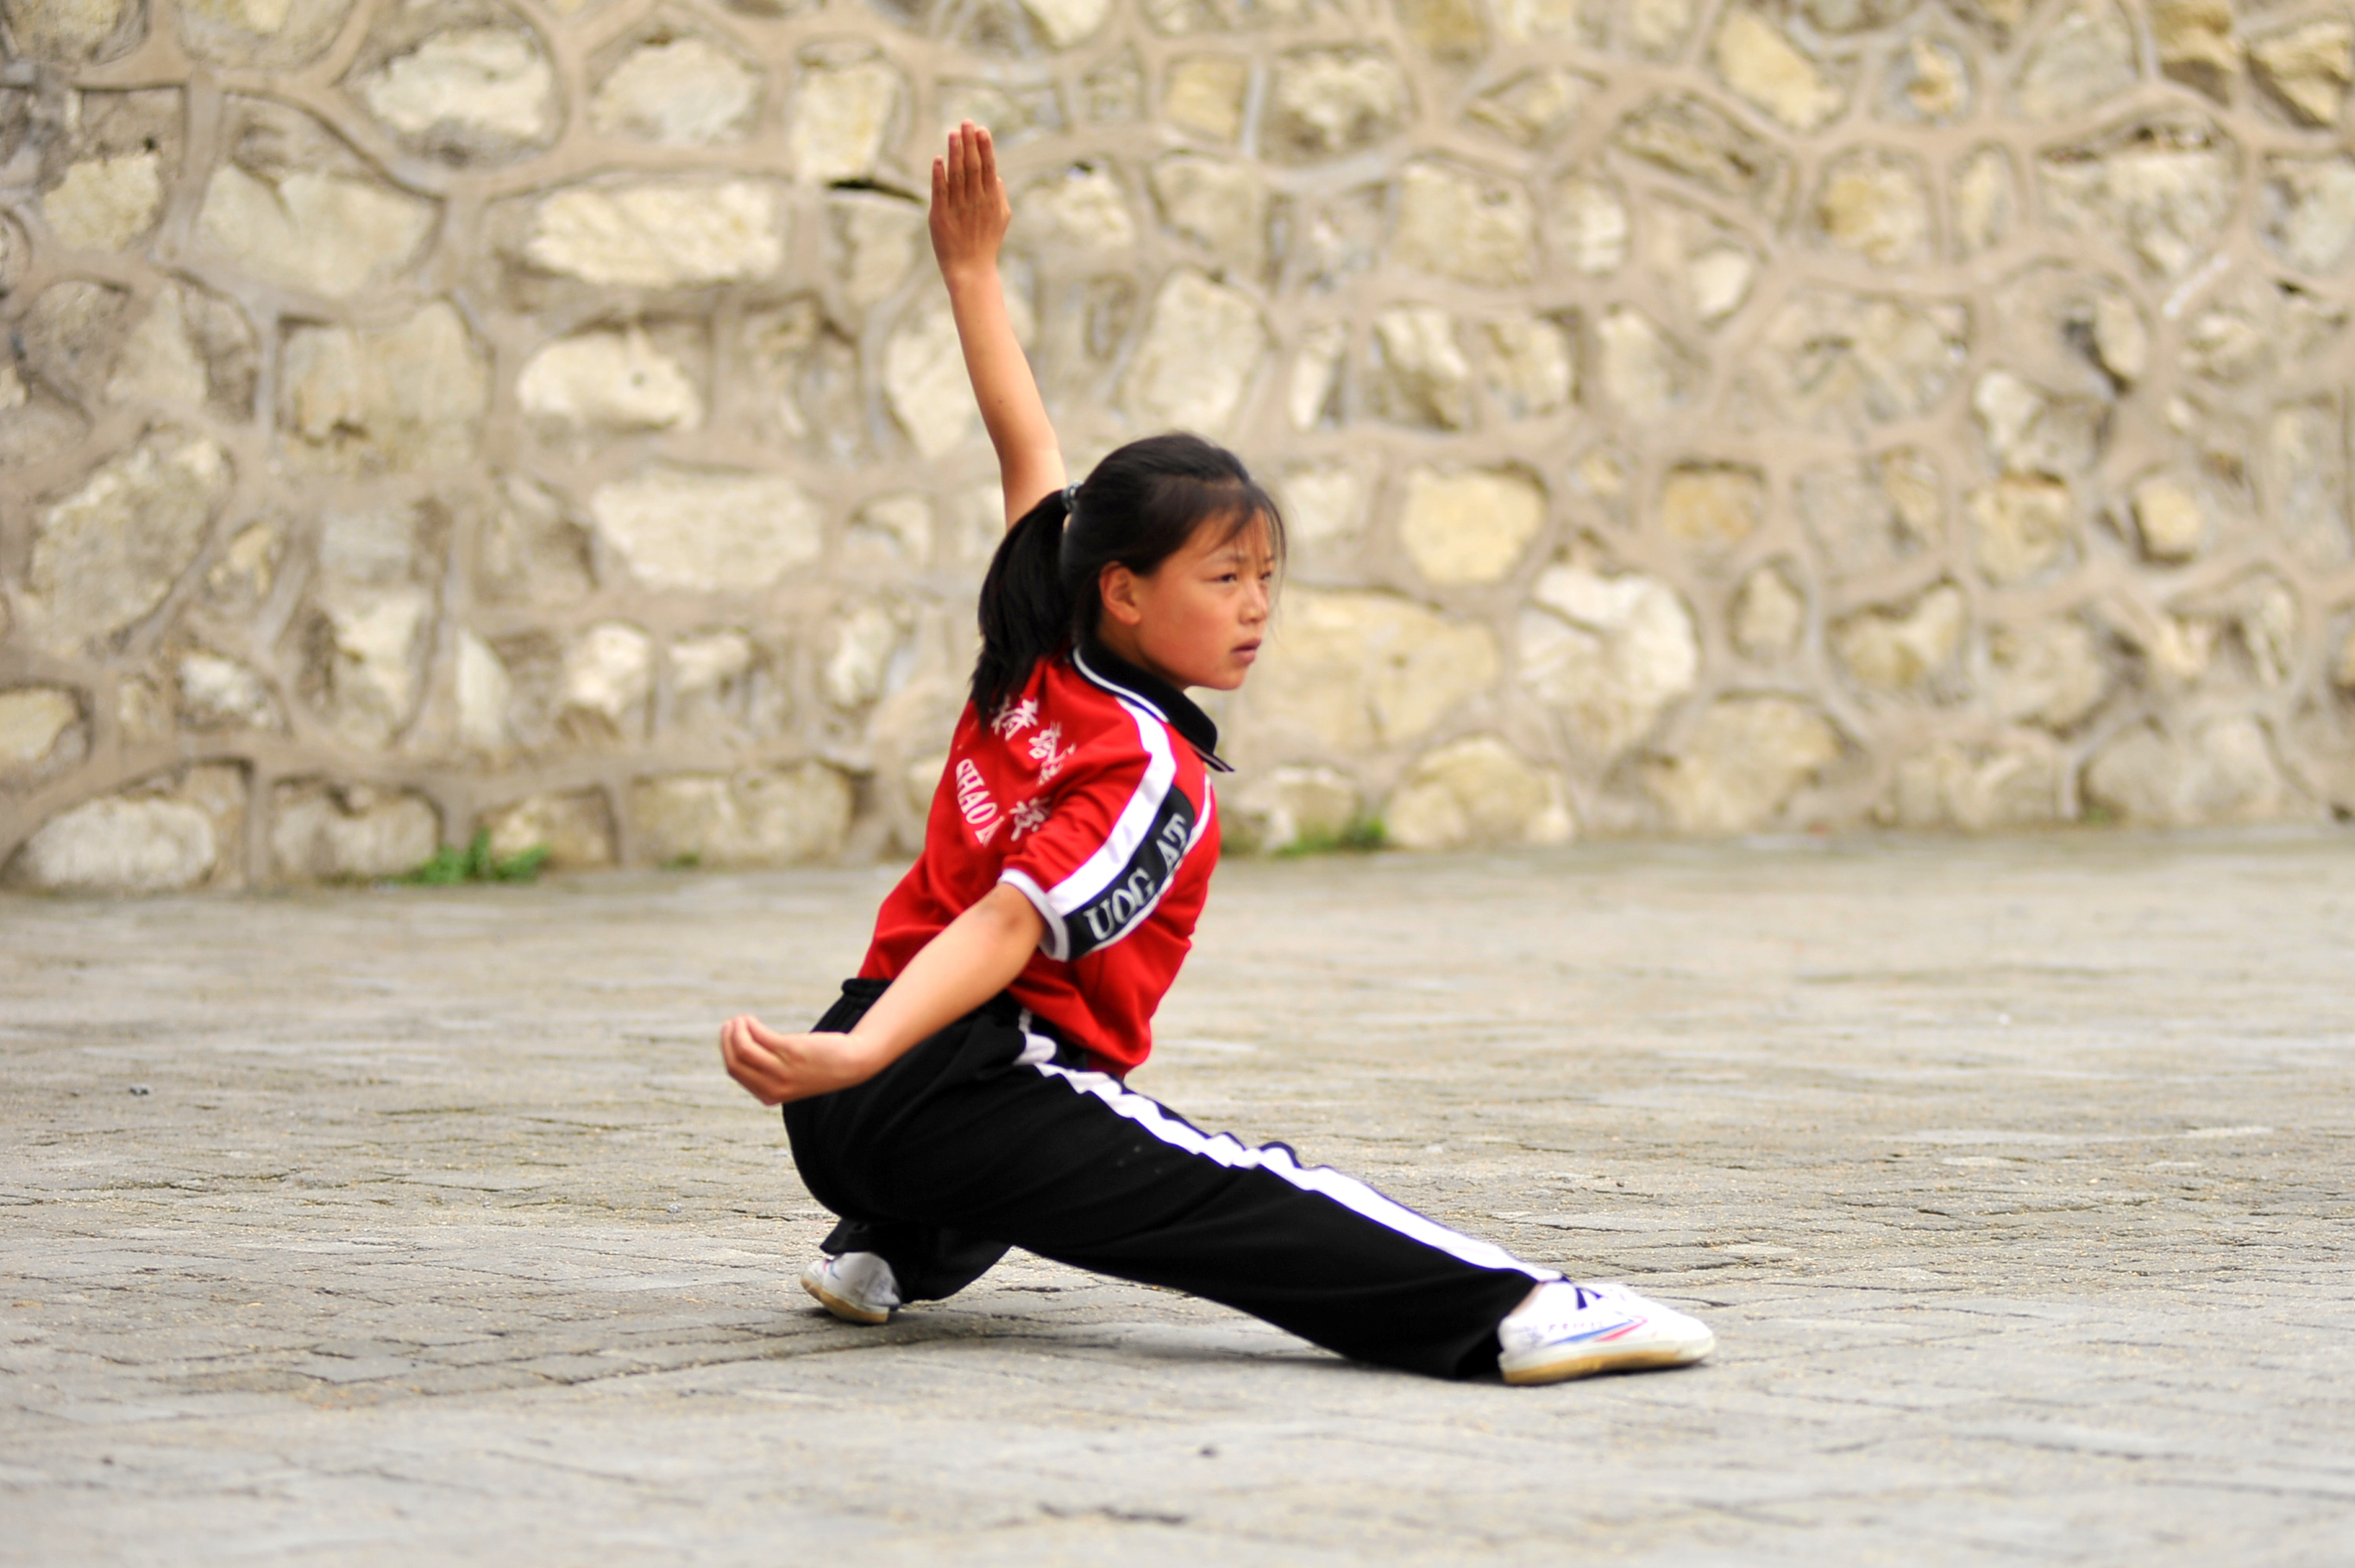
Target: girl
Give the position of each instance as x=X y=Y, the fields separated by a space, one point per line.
x=966 y=1094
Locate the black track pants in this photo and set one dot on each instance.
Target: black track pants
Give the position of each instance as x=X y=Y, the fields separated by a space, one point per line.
x=989 y=1134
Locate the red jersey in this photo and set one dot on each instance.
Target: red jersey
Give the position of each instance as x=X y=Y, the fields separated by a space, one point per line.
x=1090 y=792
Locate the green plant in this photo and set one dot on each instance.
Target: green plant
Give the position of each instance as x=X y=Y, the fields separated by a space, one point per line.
x=475 y=863
x=1360 y=836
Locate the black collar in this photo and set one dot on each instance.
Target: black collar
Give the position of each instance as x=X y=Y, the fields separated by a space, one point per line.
x=1149 y=691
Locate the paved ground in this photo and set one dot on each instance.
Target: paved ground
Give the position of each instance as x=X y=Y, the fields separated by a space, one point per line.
x=416 y=1226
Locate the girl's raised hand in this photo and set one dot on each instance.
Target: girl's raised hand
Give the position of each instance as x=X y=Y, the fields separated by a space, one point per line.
x=970 y=211
x=774 y=1068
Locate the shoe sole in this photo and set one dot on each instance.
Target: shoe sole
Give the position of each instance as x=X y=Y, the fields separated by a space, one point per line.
x=1587 y=1365
x=850 y=1312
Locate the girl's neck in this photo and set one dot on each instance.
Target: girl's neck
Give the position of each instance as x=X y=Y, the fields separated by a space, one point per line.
x=1122 y=643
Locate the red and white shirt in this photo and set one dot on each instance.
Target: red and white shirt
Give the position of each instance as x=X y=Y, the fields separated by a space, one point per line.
x=1090 y=792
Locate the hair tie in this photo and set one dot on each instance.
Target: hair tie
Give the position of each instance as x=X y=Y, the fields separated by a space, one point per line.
x=1071 y=503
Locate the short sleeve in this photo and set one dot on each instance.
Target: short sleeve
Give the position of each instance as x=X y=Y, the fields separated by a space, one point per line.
x=1096 y=856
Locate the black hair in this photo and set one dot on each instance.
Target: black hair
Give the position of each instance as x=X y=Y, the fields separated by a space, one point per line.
x=1140 y=506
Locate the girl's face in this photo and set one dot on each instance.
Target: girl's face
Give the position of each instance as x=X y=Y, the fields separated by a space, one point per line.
x=1199 y=618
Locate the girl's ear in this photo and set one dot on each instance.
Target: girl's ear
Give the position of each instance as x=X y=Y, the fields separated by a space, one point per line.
x=1117 y=588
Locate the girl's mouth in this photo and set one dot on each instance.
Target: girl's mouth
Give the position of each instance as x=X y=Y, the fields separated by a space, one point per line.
x=1247 y=652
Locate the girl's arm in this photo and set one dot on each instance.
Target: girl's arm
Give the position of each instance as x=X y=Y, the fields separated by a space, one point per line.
x=976 y=956
x=969 y=216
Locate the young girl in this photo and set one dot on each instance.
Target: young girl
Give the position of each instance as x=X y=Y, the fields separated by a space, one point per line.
x=966 y=1094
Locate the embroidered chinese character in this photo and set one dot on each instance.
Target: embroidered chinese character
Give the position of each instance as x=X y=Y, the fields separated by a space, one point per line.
x=1047 y=750
x=1015 y=718
x=1028 y=817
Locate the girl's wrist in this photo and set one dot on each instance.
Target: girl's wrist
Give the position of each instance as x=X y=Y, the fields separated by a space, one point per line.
x=964 y=277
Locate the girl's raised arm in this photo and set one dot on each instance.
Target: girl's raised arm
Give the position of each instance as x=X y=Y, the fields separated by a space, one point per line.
x=969 y=216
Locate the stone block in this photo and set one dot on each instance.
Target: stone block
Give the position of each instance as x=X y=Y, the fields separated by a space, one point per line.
x=1418 y=374
x=190 y=347
x=875 y=244
x=2170 y=517
x=1929 y=81
x=365 y=671
x=1872 y=515
x=1067 y=22
x=1758 y=60
x=2305 y=69
x=41 y=734
x=2196 y=46
x=1590 y=216
x=1469 y=527
x=217 y=693
x=2030 y=430
x=106 y=203
x=2306 y=456
x=1843 y=361
x=1708 y=264
x=677 y=90
x=846 y=104
x=659 y=234
x=761 y=817
x=1984 y=201
x=1876 y=205
x=1645 y=373
x=70 y=337
x=321 y=832
x=484 y=695
x=294 y=206
x=1082 y=211
x=167 y=833
x=267 y=35
x=2309 y=211
x=1361 y=671
x=924 y=377
x=1291 y=808
x=2051 y=673
x=867 y=643
x=393 y=400
x=707 y=530
x=576 y=829
x=1331 y=103
x=75 y=32
x=2020 y=525
x=1739 y=767
x=1462 y=225
x=609 y=381
x=2009 y=785
x=607 y=683
x=2162 y=188
x=468 y=93
x=1608 y=655
x=1203 y=96
x=1202 y=349
x=2222 y=771
x=1710 y=509
x=1905 y=648
x=1475 y=793
x=1769 y=615
x=1535 y=108
x=1220 y=205
x=1531 y=366
x=1450 y=31
x=104 y=555
x=2086 y=55
x=530 y=551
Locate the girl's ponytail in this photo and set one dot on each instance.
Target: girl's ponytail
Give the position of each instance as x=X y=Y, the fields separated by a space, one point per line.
x=1026 y=615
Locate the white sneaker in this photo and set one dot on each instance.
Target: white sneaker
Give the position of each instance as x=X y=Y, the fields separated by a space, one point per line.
x=1574 y=1330
x=857 y=1288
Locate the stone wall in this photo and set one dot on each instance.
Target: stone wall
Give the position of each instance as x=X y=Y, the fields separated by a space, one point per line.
x=1693 y=418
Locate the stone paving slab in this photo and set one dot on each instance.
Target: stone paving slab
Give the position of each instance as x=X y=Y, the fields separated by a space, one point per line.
x=2014 y=1177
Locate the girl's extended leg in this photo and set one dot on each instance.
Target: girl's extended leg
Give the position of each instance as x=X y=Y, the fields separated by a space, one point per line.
x=988 y=1129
